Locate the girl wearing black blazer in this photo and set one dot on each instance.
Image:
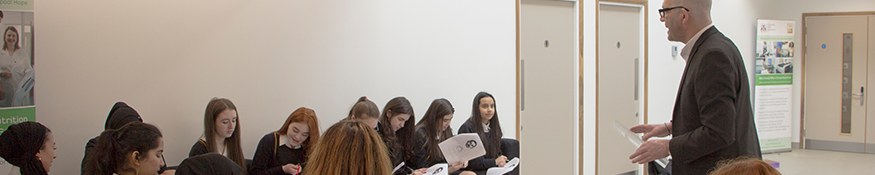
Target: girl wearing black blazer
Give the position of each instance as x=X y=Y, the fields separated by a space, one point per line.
x=285 y=150
x=431 y=130
x=484 y=122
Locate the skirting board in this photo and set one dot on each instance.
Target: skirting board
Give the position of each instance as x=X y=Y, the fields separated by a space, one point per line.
x=835 y=145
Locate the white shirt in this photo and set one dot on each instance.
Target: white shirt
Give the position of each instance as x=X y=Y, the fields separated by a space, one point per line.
x=685 y=52
x=485 y=127
x=225 y=153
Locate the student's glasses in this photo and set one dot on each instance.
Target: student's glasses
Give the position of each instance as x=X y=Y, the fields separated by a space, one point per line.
x=663 y=10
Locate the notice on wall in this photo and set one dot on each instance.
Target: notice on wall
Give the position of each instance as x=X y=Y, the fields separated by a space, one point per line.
x=773 y=93
x=16 y=66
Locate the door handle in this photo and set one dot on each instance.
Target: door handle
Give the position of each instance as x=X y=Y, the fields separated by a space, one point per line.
x=522 y=85
x=862 y=95
x=636 y=79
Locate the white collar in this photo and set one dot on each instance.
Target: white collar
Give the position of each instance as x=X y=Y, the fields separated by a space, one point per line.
x=285 y=142
x=485 y=127
x=224 y=153
x=685 y=52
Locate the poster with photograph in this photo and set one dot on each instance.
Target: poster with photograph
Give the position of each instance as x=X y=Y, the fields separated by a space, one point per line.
x=774 y=84
x=16 y=66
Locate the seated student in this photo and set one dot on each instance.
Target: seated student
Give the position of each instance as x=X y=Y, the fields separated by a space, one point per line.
x=285 y=150
x=119 y=115
x=20 y=142
x=741 y=165
x=432 y=129
x=484 y=122
x=396 y=129
x=366 y=111
x=349 y=147
x=221 y=132
x=134 y=149
x=209 y=164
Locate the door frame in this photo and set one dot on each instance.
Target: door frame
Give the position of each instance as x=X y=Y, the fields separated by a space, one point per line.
x=803 y=66
x=645 y=49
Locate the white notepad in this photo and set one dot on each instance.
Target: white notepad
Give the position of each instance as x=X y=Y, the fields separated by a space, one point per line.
x=438 y=169
x=507 y=167
x=462 y=147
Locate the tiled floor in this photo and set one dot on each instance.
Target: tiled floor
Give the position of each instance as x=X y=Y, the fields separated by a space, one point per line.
x=808 y=161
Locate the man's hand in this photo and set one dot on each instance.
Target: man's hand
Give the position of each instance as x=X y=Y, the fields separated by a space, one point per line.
x=651 y=150
x=651 y=130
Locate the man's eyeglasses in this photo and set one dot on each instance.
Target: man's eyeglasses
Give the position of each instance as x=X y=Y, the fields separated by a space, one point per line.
x=663 y=10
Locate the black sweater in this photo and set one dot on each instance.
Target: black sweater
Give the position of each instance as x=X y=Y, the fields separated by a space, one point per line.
x=479 y=163
x=198 y=148
x=397 y=156
x=421 y=158
x=270 y=156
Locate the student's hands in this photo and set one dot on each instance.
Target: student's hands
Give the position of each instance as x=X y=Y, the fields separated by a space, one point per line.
x=291 y=169
x=169 y=172
x=420 y=171
x=501 y=161
x=652 y=130
x=651 y=150
x=458 y=165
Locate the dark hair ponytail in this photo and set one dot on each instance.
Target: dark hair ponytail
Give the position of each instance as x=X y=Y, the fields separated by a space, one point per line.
x=113 y=146
x=364 y=107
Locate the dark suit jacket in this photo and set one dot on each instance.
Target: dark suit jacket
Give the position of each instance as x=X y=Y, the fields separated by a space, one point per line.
x=712 y=117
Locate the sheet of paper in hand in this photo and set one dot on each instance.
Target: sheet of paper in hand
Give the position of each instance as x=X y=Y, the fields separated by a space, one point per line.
x=634 y=139
x=507 y=167
x=462 y=147
x=438 y=169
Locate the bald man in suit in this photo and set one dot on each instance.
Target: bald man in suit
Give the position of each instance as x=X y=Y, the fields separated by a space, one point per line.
x=712 y=118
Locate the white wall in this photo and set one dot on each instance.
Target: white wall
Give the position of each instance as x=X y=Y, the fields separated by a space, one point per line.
x=792 y=10
x=168 y=58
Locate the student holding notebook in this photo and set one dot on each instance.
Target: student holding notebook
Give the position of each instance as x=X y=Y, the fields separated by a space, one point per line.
x=396 y=129
x=484 y=122
x=431 y=130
